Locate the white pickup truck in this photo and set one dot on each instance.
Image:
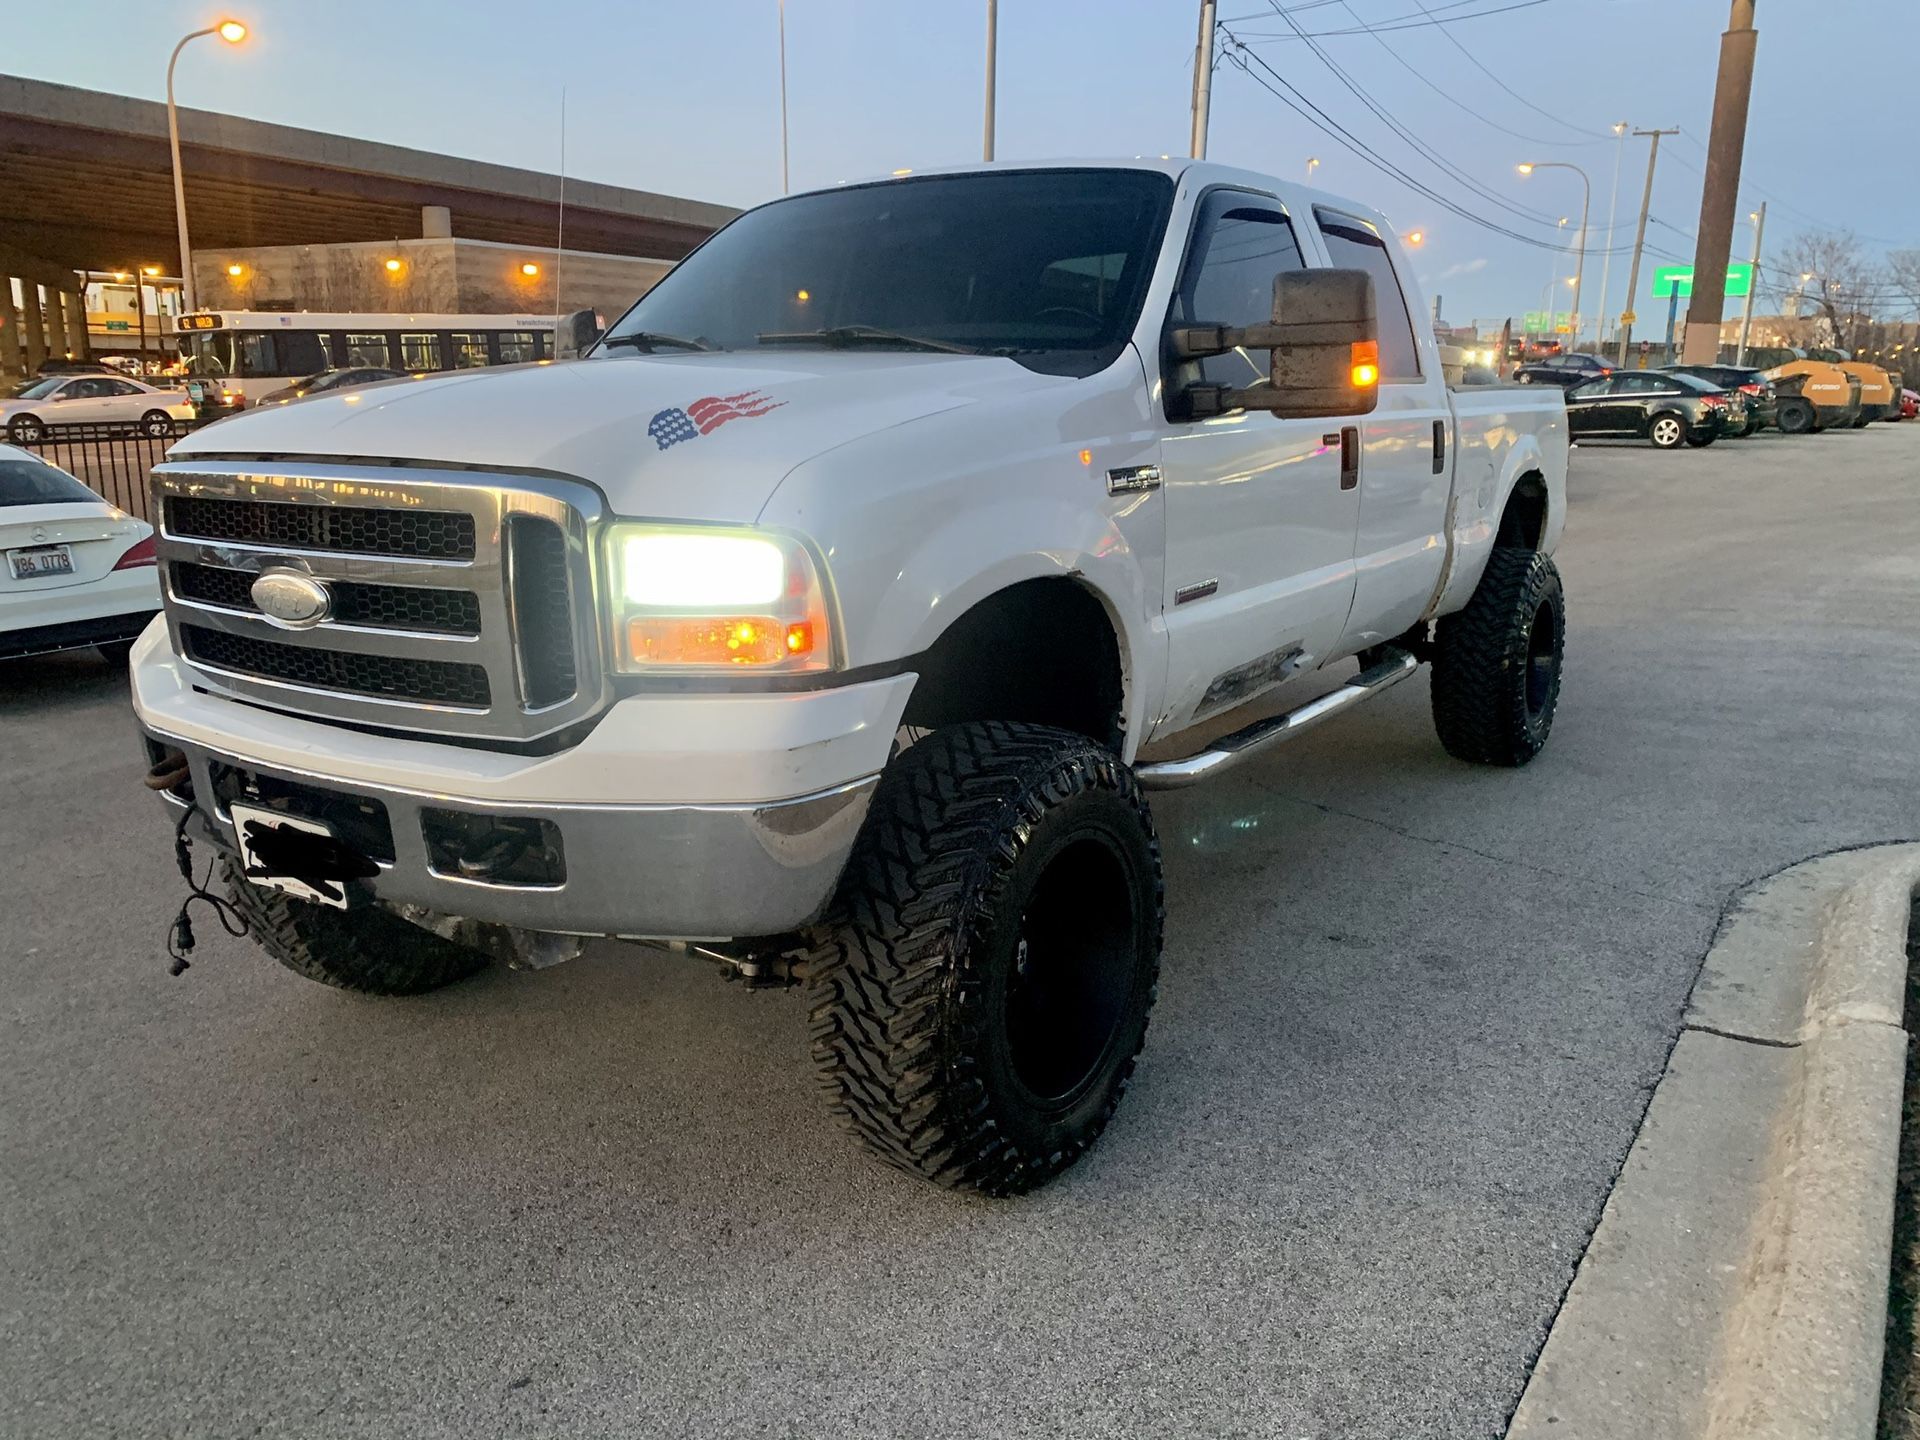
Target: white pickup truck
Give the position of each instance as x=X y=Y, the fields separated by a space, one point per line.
x=814 y=621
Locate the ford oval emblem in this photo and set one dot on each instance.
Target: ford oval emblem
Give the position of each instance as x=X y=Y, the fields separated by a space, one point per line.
x=290 y=599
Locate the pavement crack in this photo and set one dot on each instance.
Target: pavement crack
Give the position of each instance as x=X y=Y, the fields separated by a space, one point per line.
x=1497 y=859
x=1743 y=1039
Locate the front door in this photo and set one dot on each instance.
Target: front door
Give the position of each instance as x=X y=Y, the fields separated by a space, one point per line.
x=1260 y=518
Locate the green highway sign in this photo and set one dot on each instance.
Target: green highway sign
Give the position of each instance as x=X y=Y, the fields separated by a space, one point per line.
x=118 y=325
x=1538 y=322
x=1668 y=278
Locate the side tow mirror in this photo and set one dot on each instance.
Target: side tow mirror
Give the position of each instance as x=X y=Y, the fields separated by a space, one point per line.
x=1325 y=344
x=576 y=333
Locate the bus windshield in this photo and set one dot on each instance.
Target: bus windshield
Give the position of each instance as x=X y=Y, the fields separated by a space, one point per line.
x=1049 y=266
x=209 y=356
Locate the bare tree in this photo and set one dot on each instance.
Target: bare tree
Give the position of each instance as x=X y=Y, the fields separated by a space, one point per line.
x=1903 y=273
x=1833 y=273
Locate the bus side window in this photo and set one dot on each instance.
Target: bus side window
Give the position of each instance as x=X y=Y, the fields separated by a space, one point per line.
x=469 y=349
x=420 y=350
x=301 y=353
x=517 y=347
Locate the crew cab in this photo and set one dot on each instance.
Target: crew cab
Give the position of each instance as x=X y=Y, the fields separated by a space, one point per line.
x=815 y=621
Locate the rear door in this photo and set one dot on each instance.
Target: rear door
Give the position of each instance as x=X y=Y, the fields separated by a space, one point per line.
x=1406 y=469
x=1260 y=522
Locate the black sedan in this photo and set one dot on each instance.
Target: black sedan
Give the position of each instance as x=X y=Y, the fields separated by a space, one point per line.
x=1763 y=398
x=1565 y=371
x=1669 y=409
x=328 y=382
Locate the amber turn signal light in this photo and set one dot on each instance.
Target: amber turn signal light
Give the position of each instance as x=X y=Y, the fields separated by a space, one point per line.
x=1366 y=364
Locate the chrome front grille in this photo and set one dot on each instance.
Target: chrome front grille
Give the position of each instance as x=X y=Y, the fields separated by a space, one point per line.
x=457 y=603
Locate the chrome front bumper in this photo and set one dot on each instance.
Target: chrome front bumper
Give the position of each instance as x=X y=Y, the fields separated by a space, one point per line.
x=672 y=871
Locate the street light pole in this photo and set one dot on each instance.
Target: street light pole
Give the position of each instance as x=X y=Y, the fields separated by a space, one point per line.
x=993 y=35
x=233 y=32
x=783 y=97
x=1586 y=212
x=1202 y=79
x=1613 y=221
x=1753 y=282
x=1639 y=243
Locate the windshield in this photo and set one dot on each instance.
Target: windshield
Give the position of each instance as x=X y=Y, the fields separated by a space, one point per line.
x=1049 y=265
x=32 y=482
x=209 y=356
x=40 y=389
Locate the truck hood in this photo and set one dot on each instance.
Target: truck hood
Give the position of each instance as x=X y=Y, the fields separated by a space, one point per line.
x=678 y=437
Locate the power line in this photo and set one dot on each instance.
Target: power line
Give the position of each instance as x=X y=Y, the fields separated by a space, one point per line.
x=1448 y=95
x=1410 y=22
x=1244 y=59
x=1479 y=65
x=1432 y=155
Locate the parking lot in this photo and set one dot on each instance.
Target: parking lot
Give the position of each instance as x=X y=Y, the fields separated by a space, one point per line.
x=1410 y=1016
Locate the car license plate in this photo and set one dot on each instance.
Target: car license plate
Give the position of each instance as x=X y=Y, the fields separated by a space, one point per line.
x=41 y=560
x=245 y=819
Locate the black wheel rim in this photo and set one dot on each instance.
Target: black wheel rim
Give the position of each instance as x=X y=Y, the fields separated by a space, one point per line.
x=1071 y=970
x=1543 y=659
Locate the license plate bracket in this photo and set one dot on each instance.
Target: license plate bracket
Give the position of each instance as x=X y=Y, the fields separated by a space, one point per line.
x=302 y=857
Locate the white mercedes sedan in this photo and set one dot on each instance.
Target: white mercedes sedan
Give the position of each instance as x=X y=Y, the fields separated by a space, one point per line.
x=74 y=570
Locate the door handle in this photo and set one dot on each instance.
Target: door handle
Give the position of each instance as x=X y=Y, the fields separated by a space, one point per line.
x=1349 y=457
x=1439 y=447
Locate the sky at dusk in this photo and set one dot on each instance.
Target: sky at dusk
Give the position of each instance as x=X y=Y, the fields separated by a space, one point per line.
x=684 y=98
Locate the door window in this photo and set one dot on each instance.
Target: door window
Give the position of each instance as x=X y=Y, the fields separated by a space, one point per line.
x=1642 y=385
x=1356 y=245
x=1592 y=390
x=1240 y=242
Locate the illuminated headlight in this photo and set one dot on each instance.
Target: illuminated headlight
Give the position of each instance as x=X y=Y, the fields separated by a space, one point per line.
x=713 y=599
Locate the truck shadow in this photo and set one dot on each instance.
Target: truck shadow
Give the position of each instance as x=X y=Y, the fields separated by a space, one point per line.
x=69 y=680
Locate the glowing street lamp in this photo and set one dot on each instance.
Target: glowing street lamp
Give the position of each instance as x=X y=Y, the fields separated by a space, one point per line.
x=1586 y=209
x=233 y=32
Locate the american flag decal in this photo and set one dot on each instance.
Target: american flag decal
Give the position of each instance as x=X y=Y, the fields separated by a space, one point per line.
x=706 y=415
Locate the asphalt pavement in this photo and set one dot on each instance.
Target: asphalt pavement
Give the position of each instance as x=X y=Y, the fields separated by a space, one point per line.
x=1410 y=1016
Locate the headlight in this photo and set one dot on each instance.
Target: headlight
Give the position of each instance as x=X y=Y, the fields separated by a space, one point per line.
x=714 y=599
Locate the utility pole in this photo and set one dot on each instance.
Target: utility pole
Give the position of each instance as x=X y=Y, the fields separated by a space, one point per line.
x=1753 y=283
x=1639 y=244
x=1202 y=79
x=993 y=33
x=1720 y=195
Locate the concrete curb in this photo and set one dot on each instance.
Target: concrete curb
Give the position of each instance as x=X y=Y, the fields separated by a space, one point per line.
x=1736 y=1284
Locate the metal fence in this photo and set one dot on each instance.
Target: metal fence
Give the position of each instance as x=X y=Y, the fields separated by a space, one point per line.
x=111 y=460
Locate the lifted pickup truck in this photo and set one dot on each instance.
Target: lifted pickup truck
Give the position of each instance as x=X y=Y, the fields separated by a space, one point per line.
x=814 y=621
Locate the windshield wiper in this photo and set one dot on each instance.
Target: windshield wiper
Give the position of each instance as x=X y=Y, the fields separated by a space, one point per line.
x=654 y=340
x=840 y=337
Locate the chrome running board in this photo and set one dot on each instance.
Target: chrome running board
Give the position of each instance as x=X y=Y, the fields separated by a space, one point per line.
x=1230 y=750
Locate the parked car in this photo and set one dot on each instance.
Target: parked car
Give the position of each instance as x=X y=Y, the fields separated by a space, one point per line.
x=1909 y=404
x=840 y=618
x=1762 y=398
x=329 y=382
x=74 y=570
x=1566 y=371
x=60 y=401
x=1658 y=405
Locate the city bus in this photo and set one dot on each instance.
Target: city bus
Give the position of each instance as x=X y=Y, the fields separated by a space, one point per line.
x=238 y=356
